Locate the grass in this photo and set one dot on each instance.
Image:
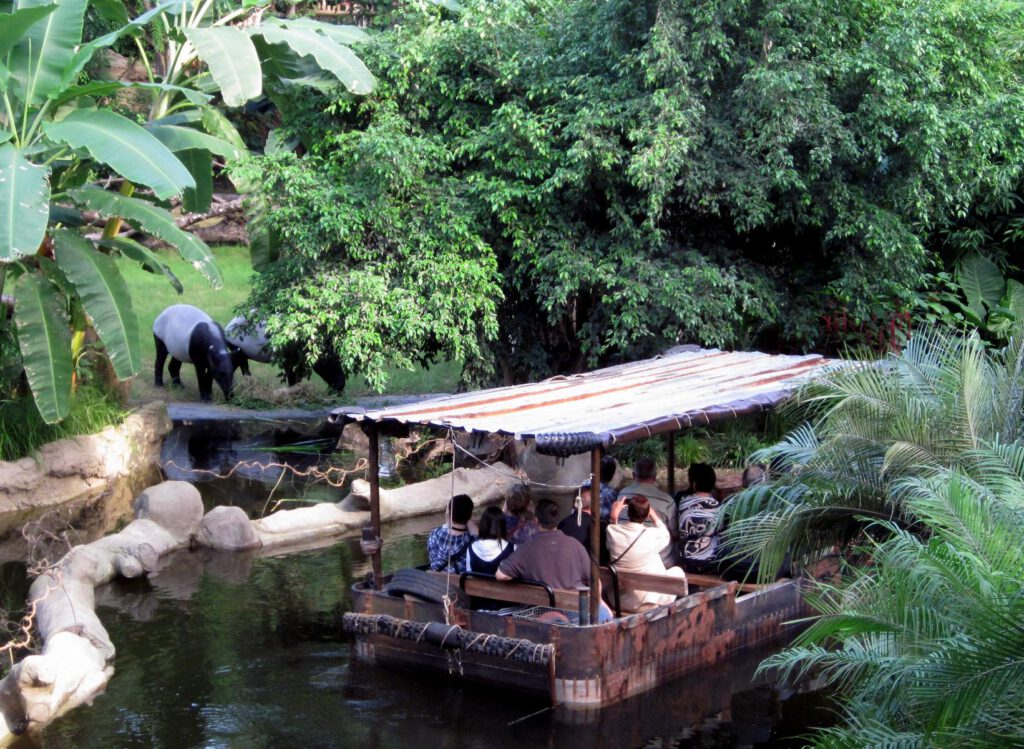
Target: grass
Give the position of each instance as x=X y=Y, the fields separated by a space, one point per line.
x=22 y=429
x=151 y=294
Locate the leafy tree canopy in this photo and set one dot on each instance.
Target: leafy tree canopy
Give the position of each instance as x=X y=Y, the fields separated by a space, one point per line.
x=643 y=173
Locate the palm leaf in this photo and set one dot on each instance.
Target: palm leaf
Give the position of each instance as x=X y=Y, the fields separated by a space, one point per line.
x=105 y=298
x=24 y=204
x=44 y=336
x=155 y=221
x=126 y=147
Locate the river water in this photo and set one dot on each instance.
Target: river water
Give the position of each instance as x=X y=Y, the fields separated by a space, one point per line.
x=243 y=650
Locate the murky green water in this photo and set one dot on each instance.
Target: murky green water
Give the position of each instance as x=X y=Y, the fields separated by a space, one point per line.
x=239 y=650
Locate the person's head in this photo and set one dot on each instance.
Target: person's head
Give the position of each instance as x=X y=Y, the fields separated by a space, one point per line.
x=547 y=514
x=702 y=477
x=492 y=524
x=645 y=469
x=518 y=501
x=637 y=508
x=754 y=474
x=462 y=509
x=608 y=467
x=583 y=497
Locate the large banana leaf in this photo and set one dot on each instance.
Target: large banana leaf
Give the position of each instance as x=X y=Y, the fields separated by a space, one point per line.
x=199 y=163
x=184 y=138
x=104 y=296
x=337 y=32
x=126 y=147
x=335 y=58
x=232 y=60
x=38 y=59
x=24 y=204
x=148 y=259
x=44 y=335
x=14 y=25
x=155 y=221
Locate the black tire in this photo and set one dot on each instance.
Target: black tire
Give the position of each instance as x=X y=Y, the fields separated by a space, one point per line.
x=423 y=585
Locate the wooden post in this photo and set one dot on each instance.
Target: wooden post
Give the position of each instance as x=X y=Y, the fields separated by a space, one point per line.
x=372 y=469
x=595 y=532
x=670 y=445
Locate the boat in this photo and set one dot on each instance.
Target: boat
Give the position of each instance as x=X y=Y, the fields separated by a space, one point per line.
x=547 y=641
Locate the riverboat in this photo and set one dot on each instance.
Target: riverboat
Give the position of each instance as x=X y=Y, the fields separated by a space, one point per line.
x=533 y=638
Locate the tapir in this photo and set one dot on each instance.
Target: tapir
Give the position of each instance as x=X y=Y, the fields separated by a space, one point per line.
x=190 y=335
x=255 y=346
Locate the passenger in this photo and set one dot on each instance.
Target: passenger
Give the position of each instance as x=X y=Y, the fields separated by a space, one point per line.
x=608 y=495
x=550 y=557
x=635 y=547
x=448 y=543
x=644 y=474
x=698 y=516
x=492 y=546
x=520 y=522
x=578 y=523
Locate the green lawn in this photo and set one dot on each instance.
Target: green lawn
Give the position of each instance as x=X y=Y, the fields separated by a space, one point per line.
x=151 y=294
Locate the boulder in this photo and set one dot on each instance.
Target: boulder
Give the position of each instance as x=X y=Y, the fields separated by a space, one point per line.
x=174 y=505
x=227 y=528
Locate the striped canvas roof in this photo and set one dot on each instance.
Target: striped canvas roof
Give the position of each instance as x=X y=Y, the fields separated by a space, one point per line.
x=615 y=404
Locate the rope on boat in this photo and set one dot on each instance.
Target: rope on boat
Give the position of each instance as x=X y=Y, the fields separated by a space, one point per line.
x=449 y=637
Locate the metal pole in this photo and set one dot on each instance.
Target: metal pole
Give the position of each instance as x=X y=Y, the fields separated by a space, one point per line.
x=595 y=531
x=372 y=469
x=670 y=445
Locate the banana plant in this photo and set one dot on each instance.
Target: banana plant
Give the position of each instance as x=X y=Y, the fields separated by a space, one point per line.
x=56 y=136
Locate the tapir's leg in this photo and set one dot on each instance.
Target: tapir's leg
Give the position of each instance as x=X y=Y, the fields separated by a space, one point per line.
x=174 y=369
x=158 y=367
x=204 y=375
x=330 y=371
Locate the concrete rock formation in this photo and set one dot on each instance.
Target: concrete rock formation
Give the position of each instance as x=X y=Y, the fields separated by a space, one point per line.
x=227 y=528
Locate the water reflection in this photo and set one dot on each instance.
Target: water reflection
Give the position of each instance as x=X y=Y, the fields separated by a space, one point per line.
x=239 y=650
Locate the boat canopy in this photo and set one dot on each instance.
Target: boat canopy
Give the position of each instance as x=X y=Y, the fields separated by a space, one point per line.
x=573 y=414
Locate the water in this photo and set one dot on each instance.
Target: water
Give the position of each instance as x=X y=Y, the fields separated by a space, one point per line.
x=242 y=650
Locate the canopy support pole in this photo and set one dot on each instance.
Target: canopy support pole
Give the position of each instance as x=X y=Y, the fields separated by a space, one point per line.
x=373 y=471
x=670 y=446
x=595 y=532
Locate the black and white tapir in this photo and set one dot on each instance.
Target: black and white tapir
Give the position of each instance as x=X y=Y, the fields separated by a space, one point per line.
x=190 y=335
x=254 y=345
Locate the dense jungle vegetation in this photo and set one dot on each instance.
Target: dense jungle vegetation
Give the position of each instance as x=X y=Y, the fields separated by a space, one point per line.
x=539 y=187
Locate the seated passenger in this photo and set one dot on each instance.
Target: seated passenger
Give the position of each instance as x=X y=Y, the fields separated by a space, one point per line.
x=635 y=547
x=491 y=547
x=578 y=523
x=448 y=543
x=698 y=515
x=551 y=557
x=519 y=521
x=645 y=472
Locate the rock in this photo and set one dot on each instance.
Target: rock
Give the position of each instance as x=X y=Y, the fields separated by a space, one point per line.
x=174 y=505
x=227 y=528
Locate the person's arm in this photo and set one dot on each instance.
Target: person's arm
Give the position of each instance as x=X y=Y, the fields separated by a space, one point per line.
x=617 y=507
x=499 y=575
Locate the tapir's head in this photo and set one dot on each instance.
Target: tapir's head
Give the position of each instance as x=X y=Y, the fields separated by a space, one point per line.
x=222 y=363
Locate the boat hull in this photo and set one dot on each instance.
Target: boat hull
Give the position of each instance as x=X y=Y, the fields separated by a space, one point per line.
x=591 y=666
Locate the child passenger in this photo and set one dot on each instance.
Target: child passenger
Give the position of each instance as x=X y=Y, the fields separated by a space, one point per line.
x=492 y=545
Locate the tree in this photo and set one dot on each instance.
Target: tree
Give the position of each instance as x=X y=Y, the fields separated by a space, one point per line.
x=57 y=140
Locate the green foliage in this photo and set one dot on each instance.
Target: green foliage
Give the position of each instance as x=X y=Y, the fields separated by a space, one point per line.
x=55 y=139
x=630 y=452
x=731 y=444
x=927 y=644
x=648 y=173
x=22 y=429
x=871 y=426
